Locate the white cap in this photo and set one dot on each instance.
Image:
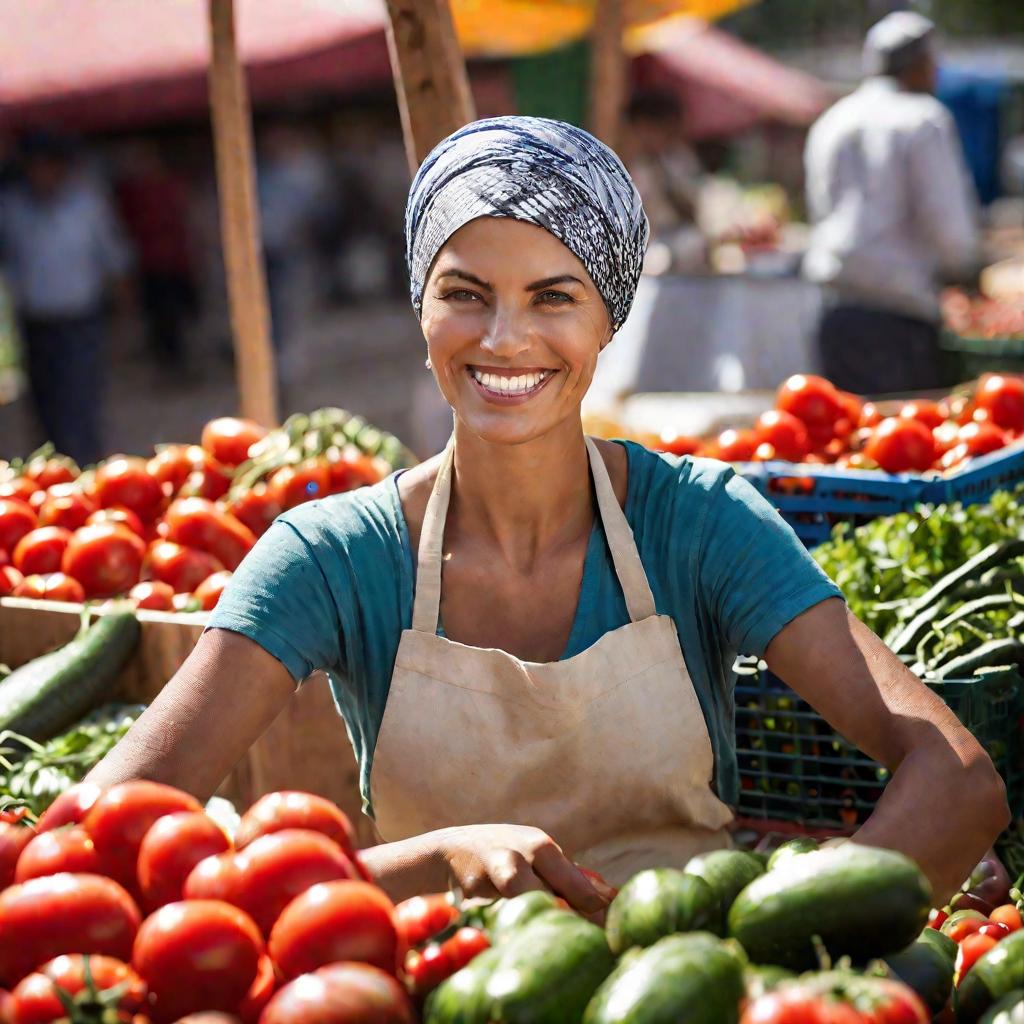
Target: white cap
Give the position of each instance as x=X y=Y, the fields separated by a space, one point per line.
x=897 y=41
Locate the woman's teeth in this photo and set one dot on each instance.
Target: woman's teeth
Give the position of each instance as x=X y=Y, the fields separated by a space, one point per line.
x=511 y=385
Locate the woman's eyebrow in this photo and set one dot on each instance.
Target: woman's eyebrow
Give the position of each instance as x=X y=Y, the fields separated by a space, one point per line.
x=547 y=282
x=466 y=276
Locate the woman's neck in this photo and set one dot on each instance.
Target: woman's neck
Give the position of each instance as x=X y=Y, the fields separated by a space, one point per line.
x=522 y=500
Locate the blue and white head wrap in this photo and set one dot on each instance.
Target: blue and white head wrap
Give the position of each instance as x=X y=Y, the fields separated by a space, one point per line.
x=537 y=170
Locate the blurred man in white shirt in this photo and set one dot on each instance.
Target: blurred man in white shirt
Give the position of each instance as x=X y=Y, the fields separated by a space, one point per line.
x=894 y=215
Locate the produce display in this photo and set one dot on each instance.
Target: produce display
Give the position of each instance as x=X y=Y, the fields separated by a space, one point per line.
x=979 y=316
x=168 y=531
x=136 y=905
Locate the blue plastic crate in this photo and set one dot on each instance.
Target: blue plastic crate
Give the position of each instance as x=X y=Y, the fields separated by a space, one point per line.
x=982 y=477
x=813 y=499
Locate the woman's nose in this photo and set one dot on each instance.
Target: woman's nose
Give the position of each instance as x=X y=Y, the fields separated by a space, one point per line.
x=507 y=334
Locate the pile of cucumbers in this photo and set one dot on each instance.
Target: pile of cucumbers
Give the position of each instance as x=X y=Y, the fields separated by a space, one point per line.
x=694 y=945
x=968 y=621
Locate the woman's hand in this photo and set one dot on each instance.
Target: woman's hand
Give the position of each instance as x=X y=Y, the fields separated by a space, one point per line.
x=506 y=860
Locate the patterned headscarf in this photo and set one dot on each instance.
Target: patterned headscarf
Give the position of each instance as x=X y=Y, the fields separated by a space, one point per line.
x=544 y=172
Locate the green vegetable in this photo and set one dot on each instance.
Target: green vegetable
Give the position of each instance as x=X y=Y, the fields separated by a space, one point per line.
x=993 y=976
x=927 y=969
x=727 y=872
x=52 y=692
x=859 y=901
x=761 y=978
x=1008 y=1010
x=942 y=942
x=793 y=848
x=674 y=980
x=660 y=902
x=462 y=999
x=516 y=912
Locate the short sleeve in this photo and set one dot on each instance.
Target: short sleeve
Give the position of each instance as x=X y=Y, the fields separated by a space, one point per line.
x=755 y=574
x=280 y=598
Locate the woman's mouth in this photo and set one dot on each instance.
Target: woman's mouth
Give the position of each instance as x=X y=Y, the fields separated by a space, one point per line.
x=506 y=387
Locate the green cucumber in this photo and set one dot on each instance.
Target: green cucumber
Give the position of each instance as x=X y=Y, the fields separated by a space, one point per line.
x=461 y=999
x=790 y=849
x=993 y=555
x=926 y=969
x=728 y=872
x=1003 y=651
x=994 y=975
x=859 y=901
x=548 y=971
x=44 y=697
x=673 y=980
x=1008 y=1010
x=660 y=902
x=941 y=941
x=516 y=912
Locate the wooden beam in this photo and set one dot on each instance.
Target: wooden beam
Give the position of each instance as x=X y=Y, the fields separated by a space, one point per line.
x=430 y=74
x=239 y=221
x=608 y=70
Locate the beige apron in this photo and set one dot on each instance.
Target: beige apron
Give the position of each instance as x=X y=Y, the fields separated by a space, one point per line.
x=607 y=751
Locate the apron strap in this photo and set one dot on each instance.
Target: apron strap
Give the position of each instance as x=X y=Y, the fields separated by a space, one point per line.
x=630 y=570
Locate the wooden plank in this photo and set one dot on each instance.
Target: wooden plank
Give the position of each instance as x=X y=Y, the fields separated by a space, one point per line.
x=305 y=748
x=608 y=70
x=236 y=186
x=431 y=84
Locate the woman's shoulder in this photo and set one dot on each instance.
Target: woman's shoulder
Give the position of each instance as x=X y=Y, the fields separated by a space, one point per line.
x=659 y=474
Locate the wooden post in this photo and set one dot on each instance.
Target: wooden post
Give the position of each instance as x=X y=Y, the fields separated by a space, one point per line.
x=430 y=74
x=239 y=220
x=608 y=69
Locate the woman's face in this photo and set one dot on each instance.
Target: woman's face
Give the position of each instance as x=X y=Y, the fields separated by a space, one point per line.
x=514 y=326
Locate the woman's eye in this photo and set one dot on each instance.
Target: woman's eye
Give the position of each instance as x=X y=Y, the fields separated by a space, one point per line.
x=554 y=298
x=461 y=295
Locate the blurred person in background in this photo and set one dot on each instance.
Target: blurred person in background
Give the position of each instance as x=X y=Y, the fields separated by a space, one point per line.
x=668 y=177
x=154 y=205
x=893 y=212
x=63 y=254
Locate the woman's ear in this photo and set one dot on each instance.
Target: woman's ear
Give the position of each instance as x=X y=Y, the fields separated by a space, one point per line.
x=607 y=338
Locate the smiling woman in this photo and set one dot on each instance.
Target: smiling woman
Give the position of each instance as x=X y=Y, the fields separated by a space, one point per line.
x=531 y=635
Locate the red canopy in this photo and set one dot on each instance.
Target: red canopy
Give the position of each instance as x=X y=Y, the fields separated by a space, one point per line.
x=115 y=63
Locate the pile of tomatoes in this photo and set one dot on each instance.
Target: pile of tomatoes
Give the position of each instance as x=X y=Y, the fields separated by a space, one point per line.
x=815 y=422
x=167 y=531
x=975 y=932
x=136 y=900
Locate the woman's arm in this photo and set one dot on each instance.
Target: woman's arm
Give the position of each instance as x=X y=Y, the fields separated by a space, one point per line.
x=945 y=803
x=203 y=721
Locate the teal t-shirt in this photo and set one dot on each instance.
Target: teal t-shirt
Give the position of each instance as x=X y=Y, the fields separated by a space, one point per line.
x=330 y=586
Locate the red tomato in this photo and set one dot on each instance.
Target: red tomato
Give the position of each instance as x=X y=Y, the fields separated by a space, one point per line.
x=51 y=853
x=229 y=439
x=36 y=501
x=292 y=485
x=213 y=878
x=813 y=400
x=335 y=921
x=256 y=508
x=427 y=968
x=44 y=473
x=294 y=809
x=198 y=523
x=106 y=559
x=928 y=413
x=96 y=916
x=13 y=840
x=19 y=487
x=972 y=949
x=5 y=558
x=51 y=586
x=66 y=506
x=465 y=945
x=982 y=438
x=341 y=993
x=121 y=817
x=210 y=482
x=172 y=847
x=36 y=1000
x=901 y=446
x=936 y=918
x=41 y=551
x=197 y=955
x=123 y=516
x=125 y=481
x=260 y=992
x=181 y=568
x=961 y=928
x=994 y=929
x=16 y=521
x=670 y=441
x=6 y=1007
x=869 y=415
x=10 y=579
x=71 y=807
x=174 y=463
x=1002 y=396
x=208 y=592
x=736 y=445
x=154 y=595
x=853 y=408
x=421 y=917
x=785 y=433
x=1008 y=916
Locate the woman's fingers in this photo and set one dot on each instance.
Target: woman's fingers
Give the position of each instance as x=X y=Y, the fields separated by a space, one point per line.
x=512 y=875
x=566 y=880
